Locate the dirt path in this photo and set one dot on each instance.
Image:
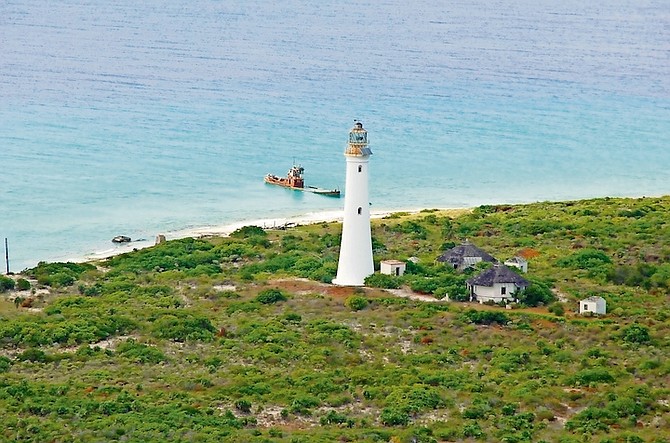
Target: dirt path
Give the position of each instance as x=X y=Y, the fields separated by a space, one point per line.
x=303 y=285
x=404 y=293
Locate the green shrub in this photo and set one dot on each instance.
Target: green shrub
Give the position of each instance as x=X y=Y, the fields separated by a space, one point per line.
x=509 y=409
x=91 y=291
x=275 y=433
x=419 y=269
x=34 y=355
x=5 y=364
x=475 y=412
x=485 y=317
x=59 y=274
x=510 y=359
x=183 y=326
x=270 y=296
x=392 y=416
x=591 y=420
x=302 y=404
x=557 y=309
x=545 y=414
x=325 y=274
x=473 y=430
x=278 y=262
x=233 y=250
x=60 y=280
x=416 y=399
x=633 y=406
x=377 y=245
x=356 y=302
x=139 y=352
x=636 y=333
x=6 y=283
x=383 y=281
x=587 y=377
x=414 y=229
x=585 y=259
x=243 y=405
x=325 y=331
x=307 y=265
x=537 y=293
x=248 y=231
x=517 y=428
x=292 y=317
x=424 y=285
x=291 y=243
x=634 y=213
x=242 y=306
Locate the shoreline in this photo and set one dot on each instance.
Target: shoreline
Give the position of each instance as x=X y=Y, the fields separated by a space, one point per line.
x=226 y=229
x=314 y=217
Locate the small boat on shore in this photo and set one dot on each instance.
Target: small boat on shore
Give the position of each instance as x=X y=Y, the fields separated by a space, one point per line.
x=321 y=191
x=121 y=239
x=295 y=181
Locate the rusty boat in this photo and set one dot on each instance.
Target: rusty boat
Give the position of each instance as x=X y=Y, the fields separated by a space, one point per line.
x=294 y=180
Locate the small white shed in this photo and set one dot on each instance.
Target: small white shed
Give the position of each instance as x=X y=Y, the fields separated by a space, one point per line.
x=392 y=267
x=518 y=262
x=596 y=305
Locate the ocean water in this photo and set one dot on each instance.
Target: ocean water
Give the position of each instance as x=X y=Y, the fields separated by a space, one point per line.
x=140 y=118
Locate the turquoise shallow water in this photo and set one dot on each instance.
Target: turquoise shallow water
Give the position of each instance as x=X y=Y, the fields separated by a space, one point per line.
x=138 y=119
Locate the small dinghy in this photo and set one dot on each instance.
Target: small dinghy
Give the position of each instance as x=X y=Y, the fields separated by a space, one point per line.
x=121 y=239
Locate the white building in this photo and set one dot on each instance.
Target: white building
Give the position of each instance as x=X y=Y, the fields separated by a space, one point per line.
x=392 y=267
x=465 y=255
x=596 y=305
x=496 y=284
x=518 y=262
x=355 y=261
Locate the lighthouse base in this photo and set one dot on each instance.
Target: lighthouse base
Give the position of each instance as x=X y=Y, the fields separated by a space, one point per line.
x=347 y=282
x=348 y=275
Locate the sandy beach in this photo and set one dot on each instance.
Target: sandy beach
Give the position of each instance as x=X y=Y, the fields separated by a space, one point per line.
x=265 y=223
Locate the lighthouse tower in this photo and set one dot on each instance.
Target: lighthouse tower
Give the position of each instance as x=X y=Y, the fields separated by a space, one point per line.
x=356 y=249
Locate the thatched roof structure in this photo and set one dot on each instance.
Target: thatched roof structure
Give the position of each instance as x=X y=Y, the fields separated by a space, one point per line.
x=498 y=274
x=464 y=255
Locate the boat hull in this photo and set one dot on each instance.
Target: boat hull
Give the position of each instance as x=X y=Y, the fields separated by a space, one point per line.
x=321 y=191
x=298 y=185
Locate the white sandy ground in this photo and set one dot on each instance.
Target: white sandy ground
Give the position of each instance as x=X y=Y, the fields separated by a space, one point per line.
x=224 y=230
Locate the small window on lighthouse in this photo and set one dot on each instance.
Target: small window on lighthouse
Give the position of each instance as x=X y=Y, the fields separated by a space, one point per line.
x=360 y=210
x=360 y=168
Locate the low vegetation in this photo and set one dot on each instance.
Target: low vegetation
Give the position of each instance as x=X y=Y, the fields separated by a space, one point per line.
x=243 y=339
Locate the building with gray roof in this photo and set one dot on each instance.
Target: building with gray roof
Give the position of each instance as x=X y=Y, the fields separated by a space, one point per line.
x=496 y=284
x=464 y=256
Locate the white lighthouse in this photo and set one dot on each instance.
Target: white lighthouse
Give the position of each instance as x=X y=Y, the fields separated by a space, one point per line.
x=356 y=249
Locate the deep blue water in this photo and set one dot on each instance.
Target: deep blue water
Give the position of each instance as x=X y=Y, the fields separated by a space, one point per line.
x=125 y=117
